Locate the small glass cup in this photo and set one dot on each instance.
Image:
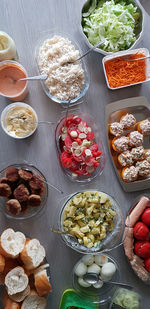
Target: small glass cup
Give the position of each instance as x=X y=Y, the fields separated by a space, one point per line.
x=96 y=129
x=48 y=35
x=32 y=211
x=111 y=240
x=97 y=295
x=20 y=94
x=119 y=294
x=8 y=109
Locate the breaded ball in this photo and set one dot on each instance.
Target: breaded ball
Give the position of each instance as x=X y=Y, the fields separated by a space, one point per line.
x=34 y=200
x=21 y=193
x=25 y=175
x=37 y=185
x=12 y=174
x=13 y=206
x=5 y=190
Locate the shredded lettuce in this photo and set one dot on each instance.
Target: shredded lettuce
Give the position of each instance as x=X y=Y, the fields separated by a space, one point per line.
x=112 y=22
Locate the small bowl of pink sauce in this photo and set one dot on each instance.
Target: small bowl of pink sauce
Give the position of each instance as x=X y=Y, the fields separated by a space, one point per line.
x=10 y=85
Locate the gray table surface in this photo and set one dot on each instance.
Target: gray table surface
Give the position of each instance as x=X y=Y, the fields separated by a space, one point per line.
x=24 y=20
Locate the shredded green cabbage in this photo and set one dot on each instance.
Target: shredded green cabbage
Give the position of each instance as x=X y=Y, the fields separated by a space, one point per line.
x=127 y=299
x=112 y=22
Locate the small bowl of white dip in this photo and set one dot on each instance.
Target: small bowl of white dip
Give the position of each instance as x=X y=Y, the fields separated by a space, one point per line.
x=19 y=120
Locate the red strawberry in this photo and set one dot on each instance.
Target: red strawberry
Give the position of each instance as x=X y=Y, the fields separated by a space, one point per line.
x=146 y=216
x=141 y=231
x=147 y=264
x=142 y=249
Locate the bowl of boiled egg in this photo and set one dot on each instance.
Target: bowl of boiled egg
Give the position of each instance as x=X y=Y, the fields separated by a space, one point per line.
x=107 y=269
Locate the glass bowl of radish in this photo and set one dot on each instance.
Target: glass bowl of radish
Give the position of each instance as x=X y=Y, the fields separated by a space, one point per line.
x=79 y=147
x=103 y=265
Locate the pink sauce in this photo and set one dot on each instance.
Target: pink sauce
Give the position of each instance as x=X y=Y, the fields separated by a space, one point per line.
x=10 y=86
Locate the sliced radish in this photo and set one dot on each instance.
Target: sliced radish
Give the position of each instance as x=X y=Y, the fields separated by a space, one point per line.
x=68 y=141
x=90 y=136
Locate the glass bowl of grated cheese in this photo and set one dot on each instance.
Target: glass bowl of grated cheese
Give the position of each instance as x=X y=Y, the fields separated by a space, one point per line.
x=56 y=54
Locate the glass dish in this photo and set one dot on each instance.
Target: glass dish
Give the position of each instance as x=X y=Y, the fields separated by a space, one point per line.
x=96 y=129
x=139 y=30
x=119 y=292
x=109 y=242
x=101 y=295
x=47 y=35
x=8 y=109
x=32 y=211
x=17 y=96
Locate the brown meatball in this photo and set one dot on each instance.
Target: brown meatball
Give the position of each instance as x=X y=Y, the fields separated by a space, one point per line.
x=13 y=206
x=12 y=174
x=36 y=184
x=5 y=190
x=24 y=206
x=4 y=180
x=25 y=175
x=21 y=193
x=34 y=200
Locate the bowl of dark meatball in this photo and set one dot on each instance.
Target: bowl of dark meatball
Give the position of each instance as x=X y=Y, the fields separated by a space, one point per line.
x=23 y=191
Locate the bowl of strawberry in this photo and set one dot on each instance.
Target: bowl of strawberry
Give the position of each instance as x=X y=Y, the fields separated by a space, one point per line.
x=79 y=147
x=137 y=242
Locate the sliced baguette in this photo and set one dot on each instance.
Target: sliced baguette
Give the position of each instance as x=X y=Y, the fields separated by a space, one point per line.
x=19 y=297
x=2 y=263
x=34 y=301
x=16 y=280
x=33 y=254
x=11 y=243
x=8 y=303
x=41 y=280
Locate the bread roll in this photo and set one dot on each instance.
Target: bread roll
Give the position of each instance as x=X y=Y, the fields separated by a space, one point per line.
x=16 y=280
x=41 y=280
x=34 y=301
x=8 y=303
x=11 y=243
x=19 y=297
x=33 y=254
x=2 y=263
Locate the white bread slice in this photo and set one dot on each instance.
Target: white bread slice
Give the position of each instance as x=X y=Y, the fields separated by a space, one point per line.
x=41 y=280
x=33 y=254
x=16 y=280
x=33 y=301
x=2 y=263
x=8 y=303
x=18 y=297
x=11 y=243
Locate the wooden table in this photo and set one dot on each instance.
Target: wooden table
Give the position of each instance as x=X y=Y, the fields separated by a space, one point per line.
x=24 y=20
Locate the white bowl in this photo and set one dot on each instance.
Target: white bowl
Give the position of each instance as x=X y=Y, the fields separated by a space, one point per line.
x=126 y=53
x=4 y=115
x=138 y=36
